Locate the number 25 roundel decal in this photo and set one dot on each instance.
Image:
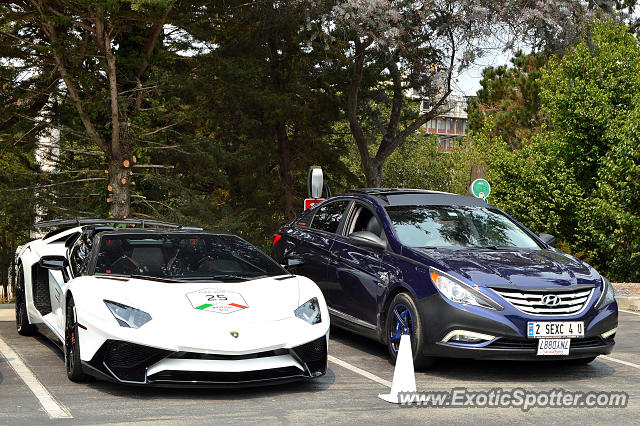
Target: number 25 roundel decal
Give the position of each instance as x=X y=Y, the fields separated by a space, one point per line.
x=219 y=301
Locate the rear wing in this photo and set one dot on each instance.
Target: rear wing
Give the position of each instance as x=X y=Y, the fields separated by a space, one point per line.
x=143 y=223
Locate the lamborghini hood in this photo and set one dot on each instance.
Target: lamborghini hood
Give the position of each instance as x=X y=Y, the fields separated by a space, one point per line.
x=262 y=300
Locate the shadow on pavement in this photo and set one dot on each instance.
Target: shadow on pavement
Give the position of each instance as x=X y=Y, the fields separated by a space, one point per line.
x=141 y=392
x=470 y=370
x=117 y=389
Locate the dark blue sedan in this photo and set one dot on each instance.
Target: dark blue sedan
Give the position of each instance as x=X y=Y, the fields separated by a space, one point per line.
x=461 y=277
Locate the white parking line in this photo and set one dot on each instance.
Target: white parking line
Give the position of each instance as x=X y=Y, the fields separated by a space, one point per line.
x=53 y=408
x=360 y=371
x=629 y=312
x=627 y=363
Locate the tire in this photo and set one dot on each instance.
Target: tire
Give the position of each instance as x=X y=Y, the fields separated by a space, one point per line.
x=22 y=319
x=404 y=307
x=72 y=360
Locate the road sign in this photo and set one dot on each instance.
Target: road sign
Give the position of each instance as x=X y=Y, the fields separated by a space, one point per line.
x=480 y=188
x=308 y=202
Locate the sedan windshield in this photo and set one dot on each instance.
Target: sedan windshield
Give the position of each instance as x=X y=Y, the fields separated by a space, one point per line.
x=456 y=227
x=181 y=256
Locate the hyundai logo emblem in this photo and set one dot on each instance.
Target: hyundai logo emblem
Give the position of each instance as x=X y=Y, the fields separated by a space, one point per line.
x=550 y=300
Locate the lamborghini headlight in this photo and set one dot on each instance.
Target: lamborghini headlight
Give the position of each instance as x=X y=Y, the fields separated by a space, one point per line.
x=128 y=316
x=309 y=311
x=608 y=296
x=458 y=292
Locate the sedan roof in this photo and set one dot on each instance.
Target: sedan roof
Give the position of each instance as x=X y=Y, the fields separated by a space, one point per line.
x=420 y=197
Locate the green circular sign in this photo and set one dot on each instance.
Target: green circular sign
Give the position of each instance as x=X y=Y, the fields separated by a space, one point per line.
x=480 y=188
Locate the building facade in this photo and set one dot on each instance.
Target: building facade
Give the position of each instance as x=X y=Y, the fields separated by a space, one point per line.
x=451 y=124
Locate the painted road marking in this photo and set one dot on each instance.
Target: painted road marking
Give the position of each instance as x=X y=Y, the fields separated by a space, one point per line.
x=53 y=408
x=629 y=364
x=360 y=371
x=629 y=312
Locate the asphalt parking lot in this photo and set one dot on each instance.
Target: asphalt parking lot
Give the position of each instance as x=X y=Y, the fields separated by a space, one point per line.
x=358 y=372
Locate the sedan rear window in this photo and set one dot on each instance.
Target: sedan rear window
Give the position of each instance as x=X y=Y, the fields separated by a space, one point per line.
x=183 y=256
x=454 y=226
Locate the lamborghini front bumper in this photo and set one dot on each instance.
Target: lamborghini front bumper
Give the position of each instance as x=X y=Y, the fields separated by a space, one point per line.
x=130 y=363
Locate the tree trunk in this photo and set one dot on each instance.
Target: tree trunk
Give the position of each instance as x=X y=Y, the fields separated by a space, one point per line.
x=120 y=187
x=373 y=172
x=285 y=171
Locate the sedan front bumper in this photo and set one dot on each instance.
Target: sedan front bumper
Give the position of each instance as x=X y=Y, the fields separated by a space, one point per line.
x=509 y=330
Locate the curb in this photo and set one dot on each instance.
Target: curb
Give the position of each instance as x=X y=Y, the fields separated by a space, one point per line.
x=7 y=315
x=7 y=305
x=630 y=303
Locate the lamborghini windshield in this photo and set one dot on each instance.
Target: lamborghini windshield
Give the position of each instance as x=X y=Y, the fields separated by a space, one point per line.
x=182 y=256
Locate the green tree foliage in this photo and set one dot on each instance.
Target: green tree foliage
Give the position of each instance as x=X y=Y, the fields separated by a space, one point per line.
x=84 y=66
x=511 y=96
x=579 y=177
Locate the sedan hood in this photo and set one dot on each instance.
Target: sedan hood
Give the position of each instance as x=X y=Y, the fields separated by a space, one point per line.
x=516 y=268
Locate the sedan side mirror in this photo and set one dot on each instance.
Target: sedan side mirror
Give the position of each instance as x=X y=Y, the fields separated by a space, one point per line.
x=548 y=238
x=56 y=263
x=367 y=239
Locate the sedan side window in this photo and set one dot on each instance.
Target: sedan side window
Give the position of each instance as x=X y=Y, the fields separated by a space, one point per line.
x=364 y=220
x=328 y=216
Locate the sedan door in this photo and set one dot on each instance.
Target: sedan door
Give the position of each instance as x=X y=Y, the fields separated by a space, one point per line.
x=356 y=272
x=312 y=244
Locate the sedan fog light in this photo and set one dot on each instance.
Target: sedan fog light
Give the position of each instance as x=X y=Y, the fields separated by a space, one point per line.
x=463 y=336
x=609 y=333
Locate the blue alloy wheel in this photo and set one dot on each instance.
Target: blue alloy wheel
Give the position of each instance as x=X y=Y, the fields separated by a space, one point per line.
x=402 y=324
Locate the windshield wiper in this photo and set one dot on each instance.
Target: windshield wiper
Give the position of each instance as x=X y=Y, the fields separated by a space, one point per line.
x=490 y=247
x=139 y=277
x=222 y=277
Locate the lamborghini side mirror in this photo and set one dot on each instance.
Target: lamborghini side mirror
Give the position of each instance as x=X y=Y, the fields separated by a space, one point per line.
x=56 y=263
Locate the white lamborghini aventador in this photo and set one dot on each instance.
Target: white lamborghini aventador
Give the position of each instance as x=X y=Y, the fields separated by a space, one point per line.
x=170 y=306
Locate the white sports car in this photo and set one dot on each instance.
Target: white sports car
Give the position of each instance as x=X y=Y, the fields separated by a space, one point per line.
x=169 y=306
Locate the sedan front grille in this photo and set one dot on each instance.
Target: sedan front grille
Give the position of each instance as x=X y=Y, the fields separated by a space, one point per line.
x=557 y=302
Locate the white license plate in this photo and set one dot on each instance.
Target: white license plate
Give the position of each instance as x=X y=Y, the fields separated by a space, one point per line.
x=553 y=346
x=555 y=329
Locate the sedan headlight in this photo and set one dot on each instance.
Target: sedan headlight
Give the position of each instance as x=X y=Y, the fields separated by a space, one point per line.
x=128 y=316
x=309 y=311
x=608 y=296
x=458 y=292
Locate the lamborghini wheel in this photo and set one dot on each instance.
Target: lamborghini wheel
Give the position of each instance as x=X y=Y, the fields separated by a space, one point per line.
x=22 y=319
x=72 y=346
